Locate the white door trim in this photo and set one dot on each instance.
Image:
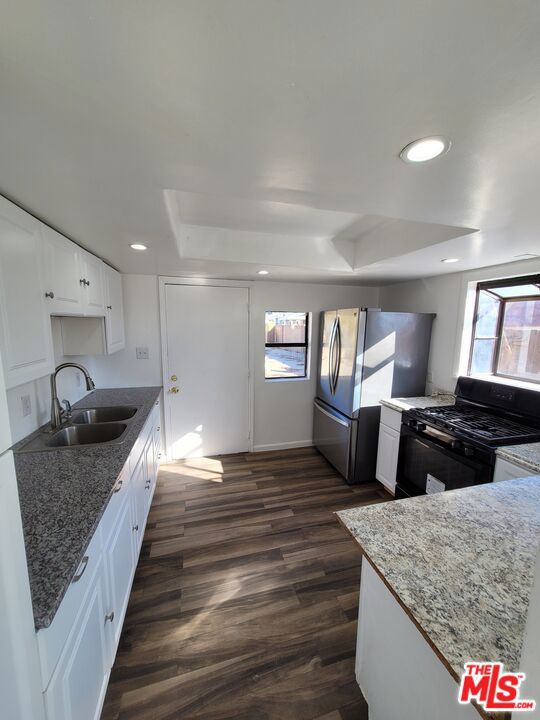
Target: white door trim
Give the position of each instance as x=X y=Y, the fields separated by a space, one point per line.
x=170 y=280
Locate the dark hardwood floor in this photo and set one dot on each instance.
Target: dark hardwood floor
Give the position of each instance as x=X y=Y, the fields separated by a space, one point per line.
x=245 y=598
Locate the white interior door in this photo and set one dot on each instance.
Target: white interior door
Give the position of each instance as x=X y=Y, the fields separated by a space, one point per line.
x=207 y=362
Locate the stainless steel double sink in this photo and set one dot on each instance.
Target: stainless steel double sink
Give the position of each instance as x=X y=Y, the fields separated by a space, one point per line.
x=89 y=426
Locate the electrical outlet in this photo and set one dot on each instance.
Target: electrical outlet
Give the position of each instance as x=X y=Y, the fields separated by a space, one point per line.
x=26 y=404
x=142 y=353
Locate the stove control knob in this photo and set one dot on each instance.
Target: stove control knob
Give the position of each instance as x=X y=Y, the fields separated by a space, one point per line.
x=455 y=445
x=469 y=451
x=420 y=426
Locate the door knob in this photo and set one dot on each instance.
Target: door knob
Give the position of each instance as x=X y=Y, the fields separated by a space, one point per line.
x=174 y=390
x=174 y=378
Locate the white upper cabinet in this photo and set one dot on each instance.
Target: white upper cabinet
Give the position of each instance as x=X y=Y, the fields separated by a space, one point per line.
x=92 y=282
x=74 y=278
x=25 y=329
x=64 y=289
x=114 y=318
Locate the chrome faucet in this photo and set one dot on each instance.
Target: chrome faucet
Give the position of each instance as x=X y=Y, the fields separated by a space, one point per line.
x=56 y=409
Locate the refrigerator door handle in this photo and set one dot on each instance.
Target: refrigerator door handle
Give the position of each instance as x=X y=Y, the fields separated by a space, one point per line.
x=332 y=417
x=331 y=356
x=337 y=363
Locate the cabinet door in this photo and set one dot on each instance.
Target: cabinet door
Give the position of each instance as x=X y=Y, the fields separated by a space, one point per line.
x=114 y=319
x=387 y=456
x=78 y=686
x=140 y=503
x=62 y=278
x=151 y=473
x=91 y=269
x=120 y=564
x=25 y=327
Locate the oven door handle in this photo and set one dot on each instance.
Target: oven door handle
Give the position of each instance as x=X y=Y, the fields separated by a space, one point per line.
x=446 y=439
x=432 y=441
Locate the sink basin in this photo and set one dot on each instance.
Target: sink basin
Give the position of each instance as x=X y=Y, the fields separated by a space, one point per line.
x=103 y=415
x=86 y=434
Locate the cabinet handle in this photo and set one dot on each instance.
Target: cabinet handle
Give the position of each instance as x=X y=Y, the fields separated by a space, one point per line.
x=87 y=283
x=118 y=486
x=109 y=307
x=135 y=528
x=157 y=402
x=158 y=429
x=50 y=295
x=82 y=568
x=82 y=281
x=109 y=617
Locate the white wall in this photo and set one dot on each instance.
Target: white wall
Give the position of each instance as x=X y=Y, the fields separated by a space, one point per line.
x=284 y=408
x=445 y=295
x=70 y=386
x=142 y=324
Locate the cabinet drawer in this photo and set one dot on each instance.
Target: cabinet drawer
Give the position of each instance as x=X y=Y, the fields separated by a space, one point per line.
x=52 y=640
x=505 y=470
x=391 y=418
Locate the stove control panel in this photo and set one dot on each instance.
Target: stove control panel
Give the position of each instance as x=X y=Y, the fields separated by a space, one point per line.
x=501 y=392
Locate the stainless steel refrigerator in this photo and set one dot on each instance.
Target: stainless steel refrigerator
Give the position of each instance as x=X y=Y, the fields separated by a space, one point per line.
x=365 y=356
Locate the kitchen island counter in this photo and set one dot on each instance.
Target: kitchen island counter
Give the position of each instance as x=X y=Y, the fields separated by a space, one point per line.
x=460 y=564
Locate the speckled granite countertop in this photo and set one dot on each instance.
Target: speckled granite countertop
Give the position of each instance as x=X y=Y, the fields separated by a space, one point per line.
x=401 y=404
x=527 y=455
x=63 y=494
x=461 y=563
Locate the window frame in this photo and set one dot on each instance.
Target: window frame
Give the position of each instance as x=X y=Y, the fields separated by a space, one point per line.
x=305 y=345
x=487 y=286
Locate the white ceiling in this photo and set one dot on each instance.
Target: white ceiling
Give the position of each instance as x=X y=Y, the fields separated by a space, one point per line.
x=230 y=135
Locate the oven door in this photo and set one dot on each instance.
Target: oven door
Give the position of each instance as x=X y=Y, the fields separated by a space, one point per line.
x=428 y=464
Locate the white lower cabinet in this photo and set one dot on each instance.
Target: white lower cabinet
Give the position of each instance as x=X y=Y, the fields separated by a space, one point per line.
x=388 y=448
x=77 y=651
x=139 y=500
x=505 y=470
x=79 y=682
x=120 y=562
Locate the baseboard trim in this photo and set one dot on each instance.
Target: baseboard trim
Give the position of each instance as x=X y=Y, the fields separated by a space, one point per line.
x=283 y=446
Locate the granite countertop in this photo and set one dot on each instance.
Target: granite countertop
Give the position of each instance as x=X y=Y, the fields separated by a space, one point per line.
x=528 y=455
x=461 y=563
x=401 y=404
x=63 y=494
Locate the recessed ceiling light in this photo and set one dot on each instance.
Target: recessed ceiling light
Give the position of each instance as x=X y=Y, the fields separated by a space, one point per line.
x=449 y=260
x=262 y=272
x=425 y=149
x=138 y=246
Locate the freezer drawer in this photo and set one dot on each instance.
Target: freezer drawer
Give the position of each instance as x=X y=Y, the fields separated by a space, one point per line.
x=334 y=435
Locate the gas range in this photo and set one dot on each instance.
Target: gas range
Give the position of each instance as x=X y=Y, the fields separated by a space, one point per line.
x=478 y=425
x=453 y=446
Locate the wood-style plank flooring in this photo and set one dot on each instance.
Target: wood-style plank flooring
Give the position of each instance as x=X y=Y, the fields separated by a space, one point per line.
x=245 y=598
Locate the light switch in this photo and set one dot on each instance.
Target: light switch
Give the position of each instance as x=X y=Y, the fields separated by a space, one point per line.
x=142 y=353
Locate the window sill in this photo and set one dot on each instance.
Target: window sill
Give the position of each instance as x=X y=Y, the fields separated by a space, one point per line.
x=285 y=379
x=508 y=381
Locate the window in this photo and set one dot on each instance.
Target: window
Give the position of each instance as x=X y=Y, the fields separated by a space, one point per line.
x=506 y=330
x=286 y=345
